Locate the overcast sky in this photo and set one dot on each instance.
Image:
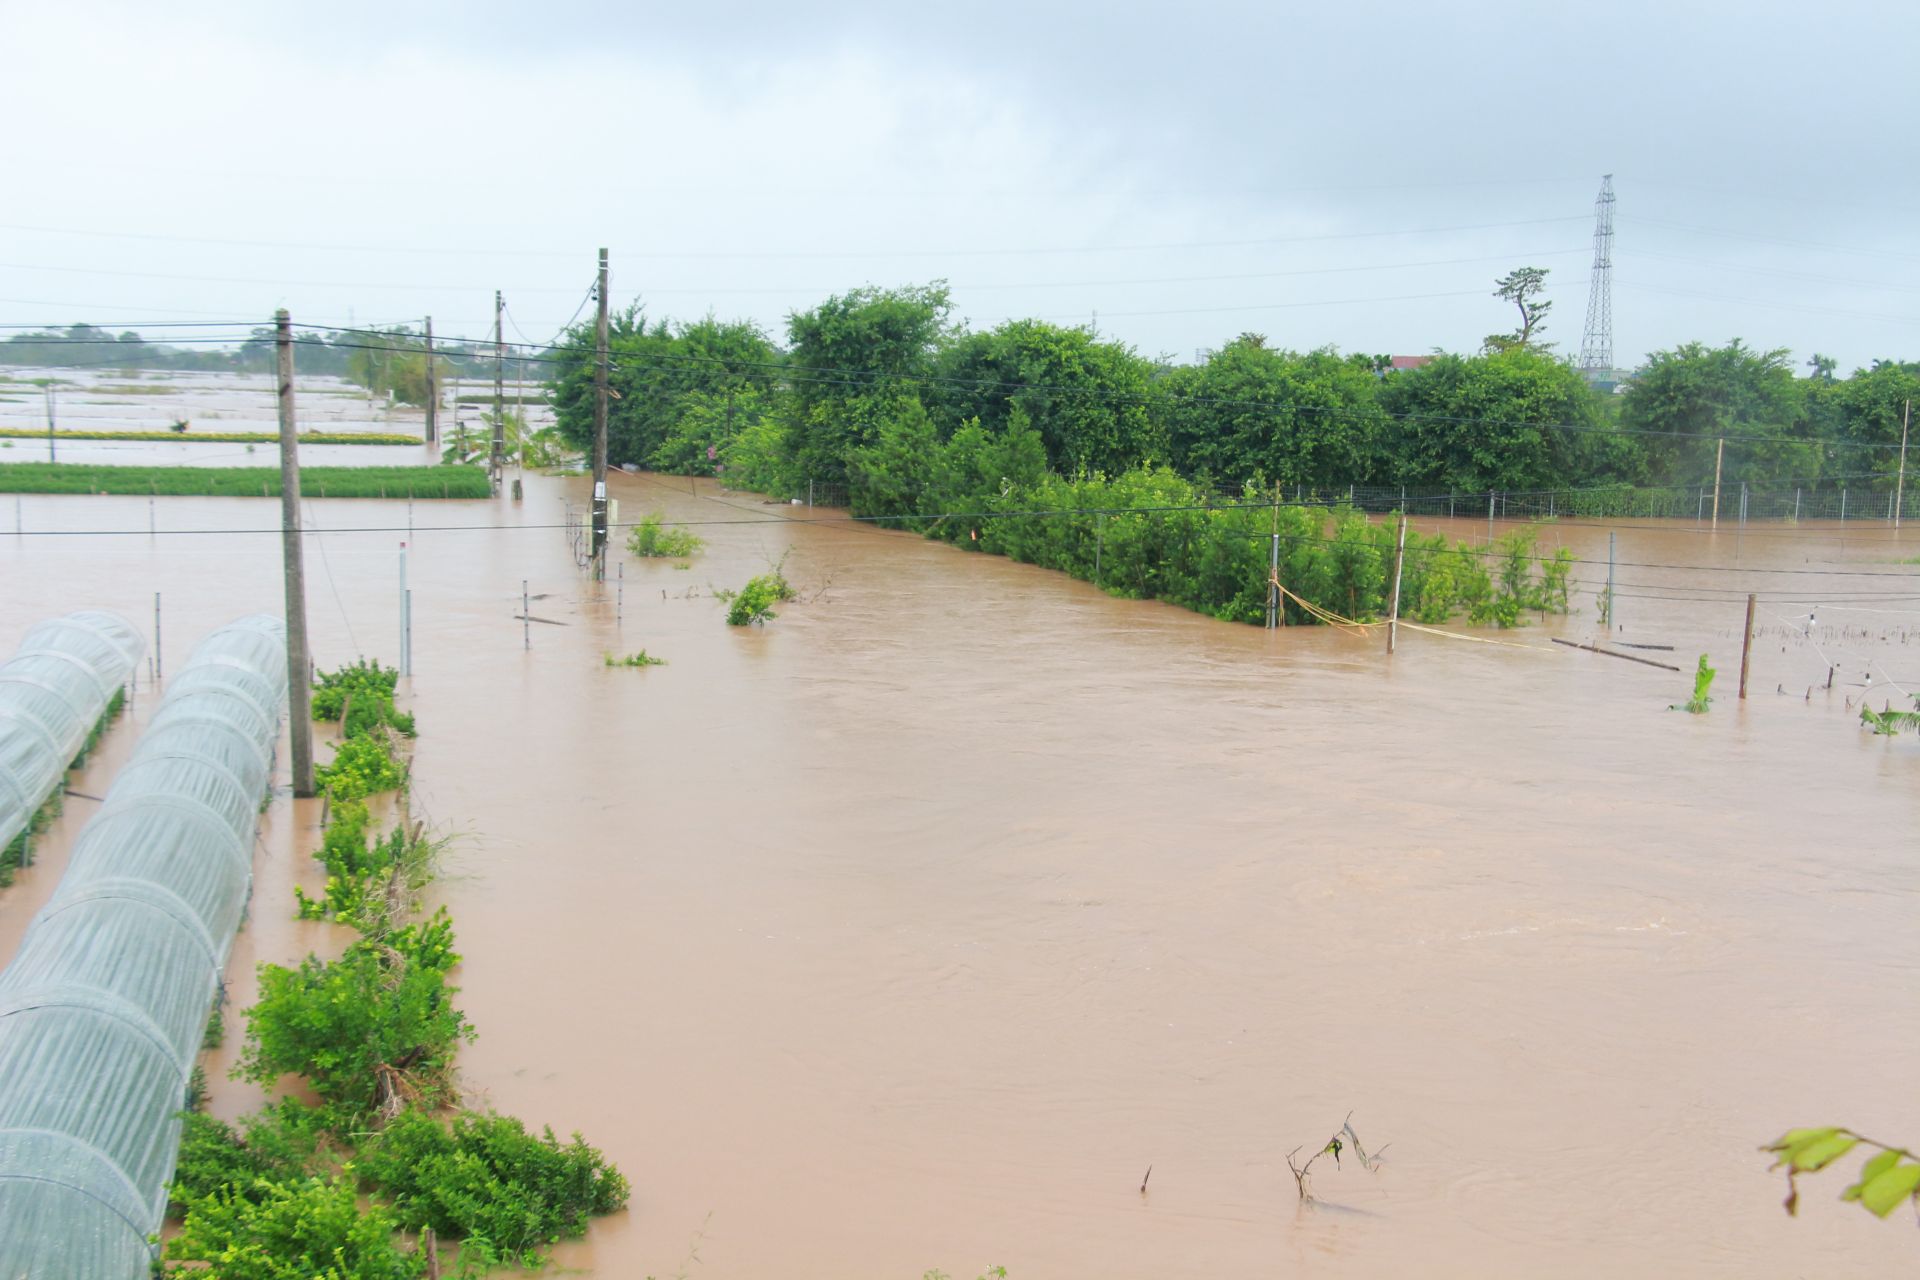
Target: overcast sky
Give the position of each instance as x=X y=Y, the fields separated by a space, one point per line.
x=1354 y=174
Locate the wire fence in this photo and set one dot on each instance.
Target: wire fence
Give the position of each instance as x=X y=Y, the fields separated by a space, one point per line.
x=1869 y=500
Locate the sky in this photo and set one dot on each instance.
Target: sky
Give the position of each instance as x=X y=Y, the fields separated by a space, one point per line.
x=1354 y=174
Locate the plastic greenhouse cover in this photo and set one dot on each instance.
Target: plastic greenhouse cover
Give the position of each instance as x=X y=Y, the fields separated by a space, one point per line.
x=103 y=1009
x=52 y=693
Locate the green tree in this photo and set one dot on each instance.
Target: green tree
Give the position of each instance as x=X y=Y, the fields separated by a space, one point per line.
x=1280 y=417
x=1090 y=400
x=1685 y=400
x=1514 y=420
x=1522 y=287
x=854 y=362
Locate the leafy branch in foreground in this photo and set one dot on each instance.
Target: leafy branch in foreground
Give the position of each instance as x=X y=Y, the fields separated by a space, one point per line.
x=1885 y=1179
x=1335 y=1145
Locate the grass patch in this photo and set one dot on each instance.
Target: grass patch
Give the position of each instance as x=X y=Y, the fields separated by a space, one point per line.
x=640 y=659
x=219 y=437
x=244 y=482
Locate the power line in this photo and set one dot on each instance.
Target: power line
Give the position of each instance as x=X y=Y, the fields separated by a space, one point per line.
x=759 y=254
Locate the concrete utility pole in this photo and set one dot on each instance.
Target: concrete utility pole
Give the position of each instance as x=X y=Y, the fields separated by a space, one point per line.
x=1719 y=452
x=600 y=430
x=1899 y=486
x=48 y=389
x=497 y=459
x=299 y=689
x=433 y=388
x=1399 y=559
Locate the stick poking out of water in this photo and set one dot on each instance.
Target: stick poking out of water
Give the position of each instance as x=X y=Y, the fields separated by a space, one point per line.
x=1143 y=1181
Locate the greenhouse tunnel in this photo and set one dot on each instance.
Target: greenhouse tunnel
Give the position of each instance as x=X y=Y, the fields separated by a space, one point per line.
x=103 y=1009
x=53 y=693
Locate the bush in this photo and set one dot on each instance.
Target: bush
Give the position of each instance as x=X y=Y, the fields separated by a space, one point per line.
x=363 y=691
x=487 y=1176
x=362 y=765
x=310 y=1229
x=276 y=1146
x=754 y=602
x=371 y=1032
x=651 y=538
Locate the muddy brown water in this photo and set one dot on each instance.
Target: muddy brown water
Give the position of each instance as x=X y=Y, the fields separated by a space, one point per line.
x=908 y=931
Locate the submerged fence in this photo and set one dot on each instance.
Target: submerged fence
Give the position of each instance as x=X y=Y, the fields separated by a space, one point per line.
x=52 y=694
x=103 y=1010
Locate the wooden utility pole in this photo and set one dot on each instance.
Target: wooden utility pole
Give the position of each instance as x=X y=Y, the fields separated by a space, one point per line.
x=1899 y=486
x=1719 y=452
x=433 y=389
x=299 y=689
x=497 y=459
x=1399 y=559
x=600 y=429
x=1746 y=649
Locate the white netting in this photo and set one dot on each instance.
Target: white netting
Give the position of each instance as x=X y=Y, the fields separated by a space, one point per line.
x=52 y=693
x=102 y=1011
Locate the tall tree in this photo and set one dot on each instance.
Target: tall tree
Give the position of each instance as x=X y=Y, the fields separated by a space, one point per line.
x=855 y=361
x=1522 y=287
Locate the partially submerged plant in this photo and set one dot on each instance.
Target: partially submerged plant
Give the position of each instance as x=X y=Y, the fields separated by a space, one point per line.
x=754 y=602
x=651 y=537
x=640 y=659
x=1702 y=681
x=1343 y=1140
x=1889 y=722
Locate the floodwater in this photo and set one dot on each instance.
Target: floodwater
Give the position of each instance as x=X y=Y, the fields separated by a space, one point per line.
x=155 y=400
x=910 y=930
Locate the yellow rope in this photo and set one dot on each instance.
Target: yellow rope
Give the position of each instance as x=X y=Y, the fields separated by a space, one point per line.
x=1327 y=616
x=1455 y=635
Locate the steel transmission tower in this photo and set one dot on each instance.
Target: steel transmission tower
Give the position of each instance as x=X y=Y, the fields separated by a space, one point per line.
x=1596 y=346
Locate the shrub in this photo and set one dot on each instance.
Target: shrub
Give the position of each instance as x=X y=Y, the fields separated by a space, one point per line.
x=754 y=602
x=371 y=1032
x=362 y=765
x=276 y=1146
x=363 y=692
x=310 y=1229
x=652 y=538
x=640 y=659
x=486 y=1176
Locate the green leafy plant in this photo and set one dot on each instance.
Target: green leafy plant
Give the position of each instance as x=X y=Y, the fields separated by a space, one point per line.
x=640 y=659
x=1702 y=682
x=1888 y=721
x=362 y=691
x=652 y=538
x=1886 y=1179
x=372 y=1032
x=484 y=1175
x=362 y=765
x=754 y=602
x=310 y=1229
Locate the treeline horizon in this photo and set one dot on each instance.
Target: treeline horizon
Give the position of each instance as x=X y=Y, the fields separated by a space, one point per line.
x=381 y=359
x=867 y=377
